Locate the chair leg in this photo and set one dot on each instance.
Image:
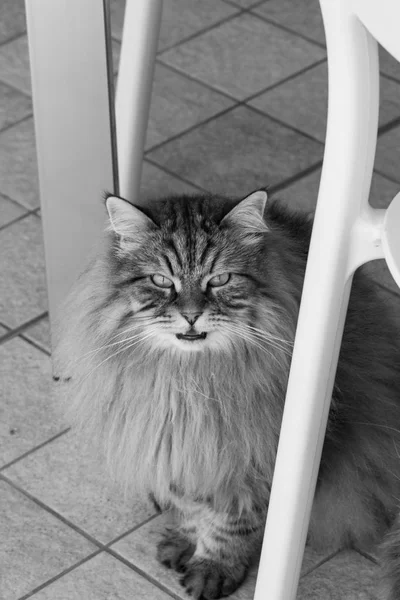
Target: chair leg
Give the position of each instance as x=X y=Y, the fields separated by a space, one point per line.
x=135 y=79
x=334 y=255
x=71 y=100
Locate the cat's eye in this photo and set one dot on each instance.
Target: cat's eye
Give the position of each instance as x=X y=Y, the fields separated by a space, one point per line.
x=161 y=281
x=219 y=280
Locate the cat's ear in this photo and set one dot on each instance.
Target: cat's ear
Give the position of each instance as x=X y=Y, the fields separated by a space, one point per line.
x=128 y=221
x=248 y=215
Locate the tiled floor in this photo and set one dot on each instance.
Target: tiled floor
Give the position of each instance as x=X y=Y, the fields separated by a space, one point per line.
x=239 y=102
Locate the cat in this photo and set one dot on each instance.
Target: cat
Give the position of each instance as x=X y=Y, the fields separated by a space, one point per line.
x=178 y=339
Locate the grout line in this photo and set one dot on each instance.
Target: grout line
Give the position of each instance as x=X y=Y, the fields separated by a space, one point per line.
x=286 y=79
x=388 y=126
x=197 y=80
x=129 y=531
x=59 y=575
x=221 y=113
x=390 y=77
x=386 y=176
x=237 y=104
x=14 y=332
x=27 y=213
x=35 y=344
x=53 y=512
x=248 y=8
x=201 y=32
x=11 y=125
x=16 y=89
x=366 y=555
x=244 y=102
x=284 y=124
x=284 y=184
x=13 y=38
x=99 y=545
x=139 y=571
x=289 y=30
x=5 y=327
x=176 y=176
x=32 y=450
x=320 y=563
x=7 y=197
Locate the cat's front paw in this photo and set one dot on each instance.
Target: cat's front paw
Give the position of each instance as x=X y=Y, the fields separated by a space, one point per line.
x=174 y=551
x=208 y=579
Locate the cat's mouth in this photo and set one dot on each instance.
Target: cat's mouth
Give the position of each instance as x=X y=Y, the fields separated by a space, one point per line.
x=191 y=337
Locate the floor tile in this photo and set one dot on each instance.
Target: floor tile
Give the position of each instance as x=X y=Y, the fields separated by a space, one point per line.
x=302 y=16
x=102 y=578
x=305 y=18
x=13 y=105
x=158 y=184
x=40 y=333
x=23 y=293
x=34 y=545
x=14 y=64
x=388 y=65
x=9 y=210
x=179 y=103
x=382 y=191
x=139 y=548
x=302 y=102
x=303 y=194
x=12 y=19
x=238 y=152
x=244 y=3
x=243 y=56
x=387 y=158
x=347 y=576
x=70 y=478
x=28 y=416
x=18 y=166
x=180 y=18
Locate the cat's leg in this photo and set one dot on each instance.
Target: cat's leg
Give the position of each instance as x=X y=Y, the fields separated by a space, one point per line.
x=226 y=545
x=178 y=543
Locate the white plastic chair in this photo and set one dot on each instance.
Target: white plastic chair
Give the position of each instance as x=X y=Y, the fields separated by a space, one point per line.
x=347 y=231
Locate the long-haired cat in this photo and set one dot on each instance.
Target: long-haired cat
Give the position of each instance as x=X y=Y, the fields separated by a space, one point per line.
x=178 y=339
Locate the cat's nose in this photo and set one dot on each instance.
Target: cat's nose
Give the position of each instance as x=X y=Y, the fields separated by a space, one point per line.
x=191 y=316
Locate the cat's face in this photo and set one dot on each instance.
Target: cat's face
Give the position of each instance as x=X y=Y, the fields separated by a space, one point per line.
x=188 y=280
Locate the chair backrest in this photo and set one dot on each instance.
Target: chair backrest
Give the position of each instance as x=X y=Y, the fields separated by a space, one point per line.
x=382 y=19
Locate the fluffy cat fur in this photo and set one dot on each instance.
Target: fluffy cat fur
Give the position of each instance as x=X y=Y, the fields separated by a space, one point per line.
x=195 y=424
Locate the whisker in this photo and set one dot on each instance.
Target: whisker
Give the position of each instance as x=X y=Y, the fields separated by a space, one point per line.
x=148 y=335
x=270 y=340
x=377 y=425
x=252 y=337
x=109 y=345
x=262 y=331
x=245 y=335
x=264 y=336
